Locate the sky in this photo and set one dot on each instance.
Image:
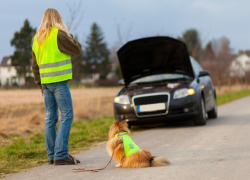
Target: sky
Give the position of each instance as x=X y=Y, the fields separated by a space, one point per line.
x=134 y=19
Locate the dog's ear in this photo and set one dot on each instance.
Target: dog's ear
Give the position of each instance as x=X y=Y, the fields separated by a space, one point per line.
x=116 y=123
x=124 y=123
x=124 y=126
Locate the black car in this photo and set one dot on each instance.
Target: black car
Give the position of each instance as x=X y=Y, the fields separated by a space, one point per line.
x=161 y=83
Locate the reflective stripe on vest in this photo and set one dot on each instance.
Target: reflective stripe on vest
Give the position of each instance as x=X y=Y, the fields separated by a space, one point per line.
x=54 y=66
x=129 y=145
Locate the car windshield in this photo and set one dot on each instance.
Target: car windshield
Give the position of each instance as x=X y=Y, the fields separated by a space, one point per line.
x=160 y=77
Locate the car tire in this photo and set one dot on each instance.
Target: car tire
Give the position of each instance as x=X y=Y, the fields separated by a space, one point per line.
x=213 y=113
x=200 y=120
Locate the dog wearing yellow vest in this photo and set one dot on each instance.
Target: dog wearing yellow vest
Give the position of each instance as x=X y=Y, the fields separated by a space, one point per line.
x=126 y=153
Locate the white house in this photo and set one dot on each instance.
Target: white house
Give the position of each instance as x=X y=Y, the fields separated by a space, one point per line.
x=8 y=74
x=241 y=64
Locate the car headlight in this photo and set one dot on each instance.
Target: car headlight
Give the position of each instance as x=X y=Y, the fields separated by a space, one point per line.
x=181 y=93
x=123 y=99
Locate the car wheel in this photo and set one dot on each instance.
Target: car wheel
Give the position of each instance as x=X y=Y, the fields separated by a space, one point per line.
x=213 y=112
x=201 y=118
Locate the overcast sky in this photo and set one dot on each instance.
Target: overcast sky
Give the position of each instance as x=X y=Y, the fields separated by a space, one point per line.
x=136 y=18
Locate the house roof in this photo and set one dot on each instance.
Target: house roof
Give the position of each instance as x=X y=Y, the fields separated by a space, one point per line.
x=5 y=62
x=246 y=52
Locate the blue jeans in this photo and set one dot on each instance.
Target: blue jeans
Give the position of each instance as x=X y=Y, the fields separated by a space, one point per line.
x=57 y=95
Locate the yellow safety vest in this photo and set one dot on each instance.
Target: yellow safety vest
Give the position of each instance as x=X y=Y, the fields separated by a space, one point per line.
x=129 y=145
x=54 y=66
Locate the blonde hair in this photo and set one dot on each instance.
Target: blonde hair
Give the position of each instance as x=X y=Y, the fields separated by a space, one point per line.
x=51 y=18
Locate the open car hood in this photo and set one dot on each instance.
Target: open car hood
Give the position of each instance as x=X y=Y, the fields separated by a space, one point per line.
x=153 y=55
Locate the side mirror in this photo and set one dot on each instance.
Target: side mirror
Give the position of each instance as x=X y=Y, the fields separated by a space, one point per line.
x=203 y=73
x=121 y=82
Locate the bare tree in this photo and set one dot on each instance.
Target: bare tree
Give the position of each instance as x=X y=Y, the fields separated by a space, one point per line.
x=116 y=71
x=208 y=52
x=218 y=57
x=223 y=58
x=75 y=16
x=123 y=37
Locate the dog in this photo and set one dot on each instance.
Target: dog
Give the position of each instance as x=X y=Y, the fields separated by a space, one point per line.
x=126 y=153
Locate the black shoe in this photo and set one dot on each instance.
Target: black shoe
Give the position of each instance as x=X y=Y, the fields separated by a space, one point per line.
x=51 y=161
x=66 y=161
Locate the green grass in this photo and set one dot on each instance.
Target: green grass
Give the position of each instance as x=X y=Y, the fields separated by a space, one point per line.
x=20 y=152
x=225 y=98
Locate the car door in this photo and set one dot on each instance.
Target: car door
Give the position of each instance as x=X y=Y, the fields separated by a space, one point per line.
x=204 y=83
x=207 y=89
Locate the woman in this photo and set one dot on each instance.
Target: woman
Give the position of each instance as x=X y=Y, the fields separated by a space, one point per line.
x=52 y=49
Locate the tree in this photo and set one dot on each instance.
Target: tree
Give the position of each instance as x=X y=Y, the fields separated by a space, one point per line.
x=222 y=61
x=209 y=52
x=192 y=40
x=22 y=41
x=75 y=16
x=115 y=70
x=96 y=54
x=77 y=67
x=223 y=53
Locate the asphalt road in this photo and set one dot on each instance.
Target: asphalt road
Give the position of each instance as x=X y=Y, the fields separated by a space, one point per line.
x=220 y=150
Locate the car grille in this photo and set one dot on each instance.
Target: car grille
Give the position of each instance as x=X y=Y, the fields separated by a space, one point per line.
x=151 y=99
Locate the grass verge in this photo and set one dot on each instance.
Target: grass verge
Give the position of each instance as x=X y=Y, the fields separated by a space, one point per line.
x=225 y=98
x=20 y=152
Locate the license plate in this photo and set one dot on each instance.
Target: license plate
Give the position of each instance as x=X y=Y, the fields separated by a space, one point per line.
x=151 y=107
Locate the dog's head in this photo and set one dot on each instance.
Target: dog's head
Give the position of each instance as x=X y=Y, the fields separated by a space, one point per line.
x=118 y=127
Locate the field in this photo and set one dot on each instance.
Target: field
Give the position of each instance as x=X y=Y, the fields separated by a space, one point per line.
x=23 y=111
